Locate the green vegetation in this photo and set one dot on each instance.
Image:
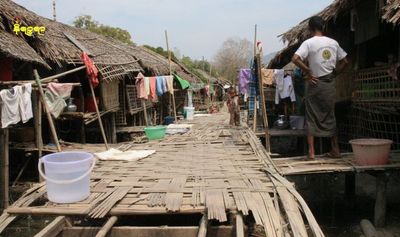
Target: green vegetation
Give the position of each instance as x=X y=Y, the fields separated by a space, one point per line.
x=87 y=22
x=160 y=50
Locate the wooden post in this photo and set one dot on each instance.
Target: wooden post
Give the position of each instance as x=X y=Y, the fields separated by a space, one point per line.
x=113 y=129
x=49 y=118
x=4 y=169
x=170 y=73
x=255 y=96
x=239 y=225
x=98 y=115
x=263 y=104
x=37 y=108
x=145 y=112
x=380 y=202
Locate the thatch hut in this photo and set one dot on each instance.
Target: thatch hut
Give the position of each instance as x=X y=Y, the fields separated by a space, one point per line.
x=368 y=31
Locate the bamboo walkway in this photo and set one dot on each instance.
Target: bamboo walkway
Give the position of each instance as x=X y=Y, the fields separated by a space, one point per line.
x=214 y=170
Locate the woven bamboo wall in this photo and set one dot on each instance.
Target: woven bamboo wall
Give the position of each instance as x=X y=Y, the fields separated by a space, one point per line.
x=110 y=95
x=375 y=111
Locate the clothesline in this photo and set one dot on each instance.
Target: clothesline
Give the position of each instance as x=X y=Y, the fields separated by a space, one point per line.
x=150 y=88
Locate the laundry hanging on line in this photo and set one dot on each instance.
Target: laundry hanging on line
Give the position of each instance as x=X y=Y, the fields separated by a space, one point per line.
x=55 y=96
x=16 y=105
x=153 y=89
x=267 y=76
x=91 y=70
x=140 y=87
x=285 y=89
x=244 y=80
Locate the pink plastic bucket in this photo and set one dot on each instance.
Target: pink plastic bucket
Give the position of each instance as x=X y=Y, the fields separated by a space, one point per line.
x=371 y=151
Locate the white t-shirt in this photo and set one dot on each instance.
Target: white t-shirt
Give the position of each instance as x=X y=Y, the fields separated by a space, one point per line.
x=322 y=53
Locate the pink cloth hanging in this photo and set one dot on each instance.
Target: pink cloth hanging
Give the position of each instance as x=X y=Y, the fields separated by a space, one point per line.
x=140 y=87
x=153 y=89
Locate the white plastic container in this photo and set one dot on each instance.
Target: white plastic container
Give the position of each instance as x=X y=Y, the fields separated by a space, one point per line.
x=67 y=175
x=296 y=122
x=189 y=113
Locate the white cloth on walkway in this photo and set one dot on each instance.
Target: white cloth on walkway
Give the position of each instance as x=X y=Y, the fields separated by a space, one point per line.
x=178 y=129
x=10 y=111
x=131 y=155
x=25 y=103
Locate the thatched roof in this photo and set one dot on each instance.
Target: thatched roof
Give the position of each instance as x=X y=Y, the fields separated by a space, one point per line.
x=300 y=32
x=15 y=47
x=54 y=46
x=113 y=58
x=392 y=12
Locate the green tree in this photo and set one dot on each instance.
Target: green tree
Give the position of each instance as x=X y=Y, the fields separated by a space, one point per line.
x=87 y=22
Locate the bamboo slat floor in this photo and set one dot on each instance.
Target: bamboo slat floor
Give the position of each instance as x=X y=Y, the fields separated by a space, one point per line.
x=346 y=164
x=213 y=169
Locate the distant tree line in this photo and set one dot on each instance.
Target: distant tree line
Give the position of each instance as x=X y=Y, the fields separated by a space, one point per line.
x=235 y=53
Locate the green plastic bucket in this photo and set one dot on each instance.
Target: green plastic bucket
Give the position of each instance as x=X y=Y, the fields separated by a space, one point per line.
x=155 y=132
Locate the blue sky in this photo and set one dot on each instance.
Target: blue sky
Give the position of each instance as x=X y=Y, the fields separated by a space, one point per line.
x=196 y=27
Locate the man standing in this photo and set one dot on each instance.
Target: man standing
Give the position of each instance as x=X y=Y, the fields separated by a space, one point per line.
x=321 y=58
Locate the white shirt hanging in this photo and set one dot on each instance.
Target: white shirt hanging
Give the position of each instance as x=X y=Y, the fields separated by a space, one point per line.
x=287 y=90
x=10 y=111
x=25 y=103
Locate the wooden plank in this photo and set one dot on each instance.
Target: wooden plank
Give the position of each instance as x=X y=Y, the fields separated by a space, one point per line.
x=37 y=106
x=54 y=228
x=4 y=169
x=165 y=231
x=107 y=227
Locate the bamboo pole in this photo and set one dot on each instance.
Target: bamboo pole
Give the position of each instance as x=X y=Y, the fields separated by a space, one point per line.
x=37 y=117
x=49 y=118
x=145 y=112
x=170 y=73
x=103 y=134
x=239 y=225
x=203 y=227
x=263 y=104
x=255 y=96
x=107 y=227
